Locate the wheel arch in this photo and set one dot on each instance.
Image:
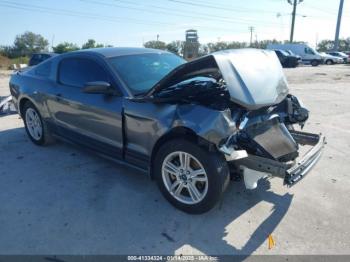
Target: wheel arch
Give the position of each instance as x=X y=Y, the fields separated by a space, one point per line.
x=329 y=60
x=21 y=104
x=179 y=132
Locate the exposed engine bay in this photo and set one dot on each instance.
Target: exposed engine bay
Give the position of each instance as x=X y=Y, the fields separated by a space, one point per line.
x=201 y=90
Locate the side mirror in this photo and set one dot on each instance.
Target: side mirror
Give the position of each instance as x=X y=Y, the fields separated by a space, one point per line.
x=99 y=87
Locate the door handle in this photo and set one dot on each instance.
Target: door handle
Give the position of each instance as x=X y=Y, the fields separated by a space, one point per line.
x=58 y=97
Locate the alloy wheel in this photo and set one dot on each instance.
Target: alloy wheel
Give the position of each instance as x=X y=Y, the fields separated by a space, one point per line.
x=184 y=177
x=33 y=123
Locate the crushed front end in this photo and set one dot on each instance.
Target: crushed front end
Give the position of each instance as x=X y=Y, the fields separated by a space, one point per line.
x=239 y=101
x=267 y=144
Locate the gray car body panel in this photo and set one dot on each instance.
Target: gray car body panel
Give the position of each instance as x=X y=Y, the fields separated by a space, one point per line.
x=146 y=122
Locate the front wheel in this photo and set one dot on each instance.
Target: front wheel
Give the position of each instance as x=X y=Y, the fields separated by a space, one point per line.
x=190 y=177
x=329 y=62
x=314 y=63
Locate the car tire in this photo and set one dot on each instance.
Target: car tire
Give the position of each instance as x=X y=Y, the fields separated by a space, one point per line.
x=35 y=127
x=314 y=63
x=198 y=193
x=329 y=62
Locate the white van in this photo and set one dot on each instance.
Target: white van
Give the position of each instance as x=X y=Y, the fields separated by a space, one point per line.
x=308 y=55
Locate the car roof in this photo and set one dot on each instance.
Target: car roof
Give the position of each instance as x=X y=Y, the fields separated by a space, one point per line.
x=120 y=51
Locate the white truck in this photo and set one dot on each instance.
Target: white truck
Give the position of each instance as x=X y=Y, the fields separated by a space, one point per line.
x=308 y=55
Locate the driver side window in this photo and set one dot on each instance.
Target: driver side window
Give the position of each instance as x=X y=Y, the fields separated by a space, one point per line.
x=309 y=51
x=76 y=72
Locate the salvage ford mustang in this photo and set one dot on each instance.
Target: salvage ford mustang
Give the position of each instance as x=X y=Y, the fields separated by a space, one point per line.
x=188 y=125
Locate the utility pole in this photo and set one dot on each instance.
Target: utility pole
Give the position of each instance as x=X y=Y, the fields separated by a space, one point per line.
x=295 y=3
x=336 y=39
x=251 y=29
x=157 y=37
x=52 y=39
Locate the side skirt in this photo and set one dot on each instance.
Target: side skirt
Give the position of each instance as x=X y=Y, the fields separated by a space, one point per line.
x=103 y=155
x=130 y=159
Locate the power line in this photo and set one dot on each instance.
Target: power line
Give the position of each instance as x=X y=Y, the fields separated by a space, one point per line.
x=206 y=15
x=203 y=16
x=224 y=8
x=65 y=12
x=77 y=14
x=326 y=11
x=240 y=9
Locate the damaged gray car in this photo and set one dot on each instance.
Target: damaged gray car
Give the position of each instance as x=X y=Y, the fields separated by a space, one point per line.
x=188 y=125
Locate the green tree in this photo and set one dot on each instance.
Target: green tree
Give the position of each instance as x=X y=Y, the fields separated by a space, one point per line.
x=29 y=43
x=213 y=47
x=176 y=47
x=327 y=45
x=7 y=51
x=236 y=45
x=344 y=44
x=65 y=47
x=91 y=43
x=155 y=44
x=264 y=43
x=221 y=45
x=25 y=45
x=203 y=50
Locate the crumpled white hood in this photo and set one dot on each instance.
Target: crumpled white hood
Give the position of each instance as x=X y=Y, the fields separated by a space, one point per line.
x=254 y=77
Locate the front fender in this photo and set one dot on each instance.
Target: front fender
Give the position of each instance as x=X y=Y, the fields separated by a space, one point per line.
x=146 y=123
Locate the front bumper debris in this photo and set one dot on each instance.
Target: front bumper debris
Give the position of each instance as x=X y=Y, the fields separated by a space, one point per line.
x=7 y=106
x=305 y=164
x=290 y=172
x=231 y=154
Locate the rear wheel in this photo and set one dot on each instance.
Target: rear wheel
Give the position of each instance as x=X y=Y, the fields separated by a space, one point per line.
x=329 y=62
x=34 y=125
x=190 y=177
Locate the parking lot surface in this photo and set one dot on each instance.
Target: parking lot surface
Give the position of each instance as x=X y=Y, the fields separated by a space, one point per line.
x=62 y=200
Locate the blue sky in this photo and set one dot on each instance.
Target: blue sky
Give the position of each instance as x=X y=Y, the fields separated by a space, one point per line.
x=132 y=22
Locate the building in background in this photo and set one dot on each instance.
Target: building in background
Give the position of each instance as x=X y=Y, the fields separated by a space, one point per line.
x=191 y=46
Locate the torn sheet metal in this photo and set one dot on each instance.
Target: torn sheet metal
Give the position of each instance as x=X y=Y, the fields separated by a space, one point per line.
x=7 y=106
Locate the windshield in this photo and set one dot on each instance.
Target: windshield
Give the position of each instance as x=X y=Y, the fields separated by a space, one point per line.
x=284 y=52
x=290 y=52
x=142 y=71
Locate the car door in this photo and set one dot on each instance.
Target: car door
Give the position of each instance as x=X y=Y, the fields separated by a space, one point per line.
x=309 y=54
x=94 y=120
